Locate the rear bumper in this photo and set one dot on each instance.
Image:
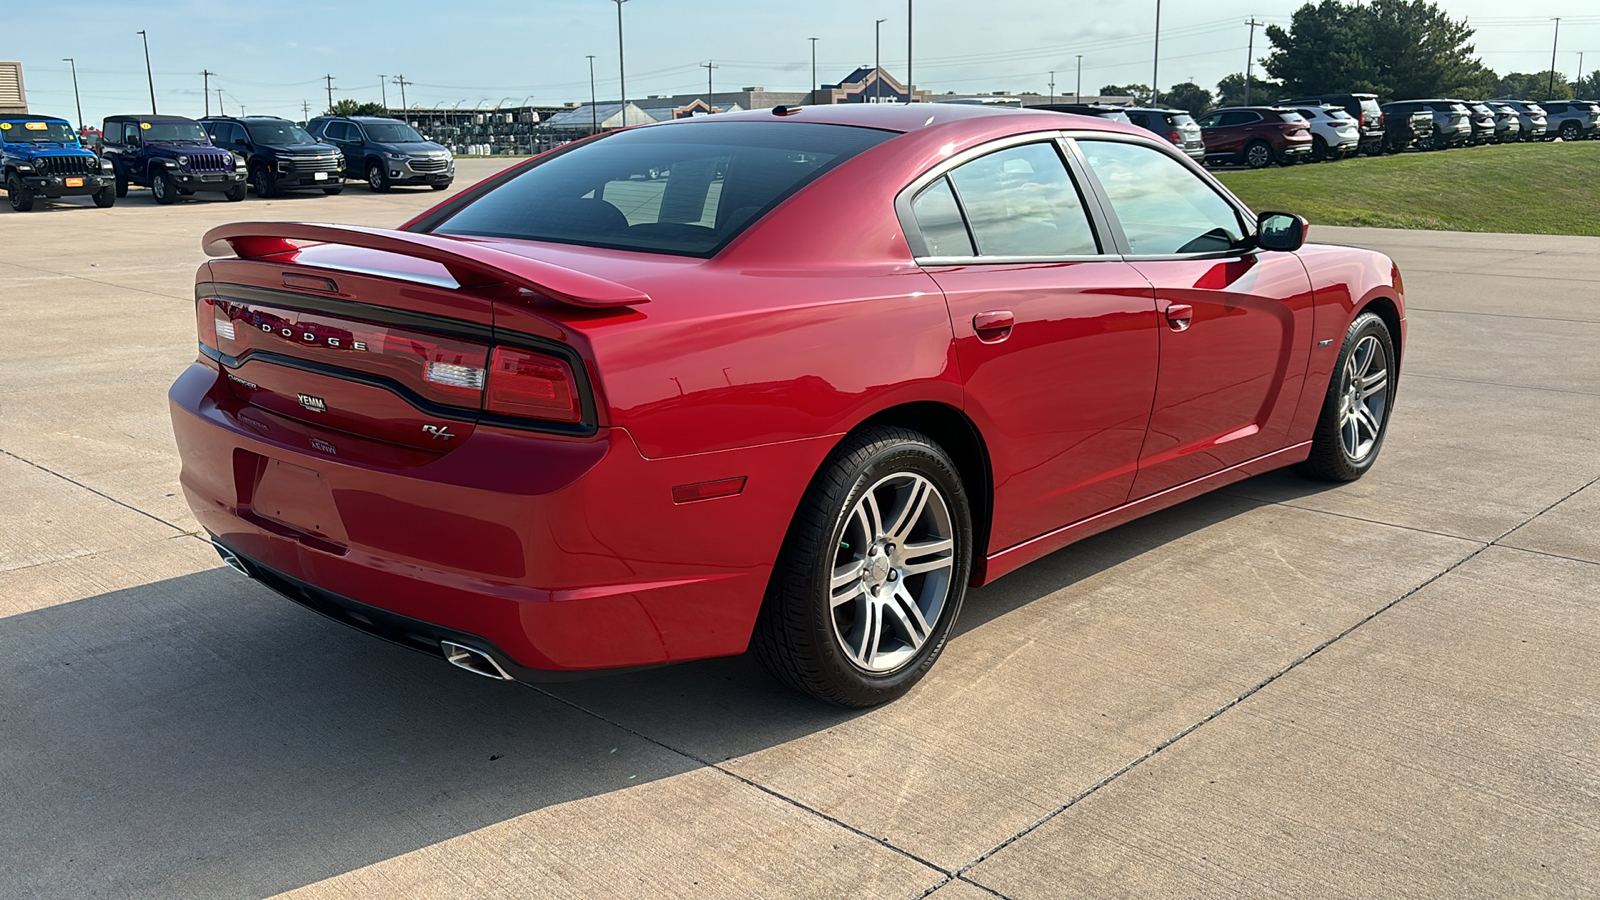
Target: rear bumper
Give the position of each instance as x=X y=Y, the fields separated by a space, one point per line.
x=552 y=554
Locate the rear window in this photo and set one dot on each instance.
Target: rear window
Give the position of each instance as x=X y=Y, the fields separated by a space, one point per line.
x=686 y=190
x=1179 y=120
x=1291 y=117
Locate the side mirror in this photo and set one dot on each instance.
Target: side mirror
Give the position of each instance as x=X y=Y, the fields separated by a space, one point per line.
x=1281 y=231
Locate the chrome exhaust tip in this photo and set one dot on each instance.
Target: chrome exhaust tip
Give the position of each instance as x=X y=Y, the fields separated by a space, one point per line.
x=230 y=559
x=473 y=660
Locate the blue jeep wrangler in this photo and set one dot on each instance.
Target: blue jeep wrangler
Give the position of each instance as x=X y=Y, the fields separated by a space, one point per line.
x=41 y=157
x=172 y=156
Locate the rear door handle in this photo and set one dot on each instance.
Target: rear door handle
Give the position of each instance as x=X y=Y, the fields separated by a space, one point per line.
x=1179 y=316
x=993 y=326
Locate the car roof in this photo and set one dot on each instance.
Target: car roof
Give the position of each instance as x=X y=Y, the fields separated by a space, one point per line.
x=134 y=117
x=907 y=117
x=11 y=118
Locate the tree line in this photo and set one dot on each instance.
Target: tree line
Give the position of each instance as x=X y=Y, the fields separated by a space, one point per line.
x=1397 y=49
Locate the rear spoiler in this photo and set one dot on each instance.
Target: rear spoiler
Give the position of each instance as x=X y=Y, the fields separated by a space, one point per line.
x=470 y=264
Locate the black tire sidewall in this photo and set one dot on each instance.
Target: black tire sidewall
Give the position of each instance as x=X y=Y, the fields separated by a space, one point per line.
x=1329 y=459
x=903 y=452
x=167 y=190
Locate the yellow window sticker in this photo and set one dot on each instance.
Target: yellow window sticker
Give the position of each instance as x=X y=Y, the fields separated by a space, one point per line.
x=36 y=126
x=145 y=125
x=5 y=126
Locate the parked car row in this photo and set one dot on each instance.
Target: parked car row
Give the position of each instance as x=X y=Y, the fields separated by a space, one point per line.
x=177 y=157
x=1336 y=126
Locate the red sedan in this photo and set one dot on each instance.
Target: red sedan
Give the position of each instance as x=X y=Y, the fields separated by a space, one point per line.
x=793 y=378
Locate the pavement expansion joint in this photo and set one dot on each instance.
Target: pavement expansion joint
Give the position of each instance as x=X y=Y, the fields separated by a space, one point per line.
x=1504 y=384
x=1410 y=308
x=98 y=281
x=70 y=480
x=887 y=845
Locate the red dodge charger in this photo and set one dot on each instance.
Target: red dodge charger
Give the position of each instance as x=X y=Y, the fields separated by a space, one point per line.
x=793 y=378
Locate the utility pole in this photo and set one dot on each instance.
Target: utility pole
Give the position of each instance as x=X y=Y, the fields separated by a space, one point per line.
x=75 y=99
x=911 y=94
x=148 y=76
x=1550 y=92
x=401 y=80
x=594 y=111
x=708 y=66
x=1155 y=65
x=1249 y=57
x=622 y=65
x=1052 y=87
x=877 y=65
x=383 y=91
x=1077 y=94
x=206 y=74
x=329 y=80
x=305 y=109
x=814 y=85
x=220 y=110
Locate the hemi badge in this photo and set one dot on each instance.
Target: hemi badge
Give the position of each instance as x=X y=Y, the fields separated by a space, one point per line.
x=315 y=404
x=1324 y=343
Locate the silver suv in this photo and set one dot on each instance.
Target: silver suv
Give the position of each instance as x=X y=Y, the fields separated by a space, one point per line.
x=1572 y=120
x=1530 y=116
x=1452 y=123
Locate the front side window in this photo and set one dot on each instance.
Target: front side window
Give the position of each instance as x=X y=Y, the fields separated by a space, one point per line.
x=679 y=189
x=1021 y=202
x=1164 y=208
x=392 y=133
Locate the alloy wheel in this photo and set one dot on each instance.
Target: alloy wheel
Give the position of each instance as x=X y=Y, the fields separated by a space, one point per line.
x=1364 y=398
x=1258 y=156
x=892 y=572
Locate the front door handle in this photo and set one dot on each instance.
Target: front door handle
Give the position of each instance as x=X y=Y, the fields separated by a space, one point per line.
x=993 y=326
x=1179 y=316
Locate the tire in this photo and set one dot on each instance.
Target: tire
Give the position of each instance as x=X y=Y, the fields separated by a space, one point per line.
x=164 y=188
x=377 y=177
x=879 y=641
x=1569 y=131
x=440 y=187
x=333 y=191
x=236 y=193
x=122 y=187
x=20 y=195
x=106 y=197
x=1319 y=148
x=1345 y=446
x=264 y=182
x=1258 y=154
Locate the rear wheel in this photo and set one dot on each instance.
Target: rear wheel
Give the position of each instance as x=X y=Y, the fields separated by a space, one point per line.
x=1355 y=412
x=872 y=573
x=105 y=197
x=235 y=193
x=164 y=188
x=21 y=196
x=1569 y=131
x=1258 y=155
x=1319 y=148
x=122 y=187
x=377 y=177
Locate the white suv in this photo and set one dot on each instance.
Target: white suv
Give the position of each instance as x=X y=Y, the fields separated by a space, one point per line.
x=1335 y=134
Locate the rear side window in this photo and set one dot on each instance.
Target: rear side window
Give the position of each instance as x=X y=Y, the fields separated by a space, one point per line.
x=939 y=221
x=1164 y=208
x=1021 y=202
x=685 y=190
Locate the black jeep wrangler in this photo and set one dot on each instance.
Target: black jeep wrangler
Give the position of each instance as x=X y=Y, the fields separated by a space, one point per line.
x=280 y=155
x=172 y=156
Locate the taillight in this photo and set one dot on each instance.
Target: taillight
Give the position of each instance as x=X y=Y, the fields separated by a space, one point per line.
x=523 y=383
x=205 y=315
x=1381 y=118
x=1175 y=137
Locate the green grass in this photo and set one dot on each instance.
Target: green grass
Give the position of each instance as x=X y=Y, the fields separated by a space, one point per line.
x=1516 y=188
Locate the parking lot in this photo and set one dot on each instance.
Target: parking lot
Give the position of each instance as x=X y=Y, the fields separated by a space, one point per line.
x=1385 y=688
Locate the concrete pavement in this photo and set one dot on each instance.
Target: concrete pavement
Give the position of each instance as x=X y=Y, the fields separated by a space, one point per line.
x=1284 y=689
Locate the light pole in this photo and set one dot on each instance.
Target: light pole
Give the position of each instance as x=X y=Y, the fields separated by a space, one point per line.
x=814 y=85
x=877 y=66
x=75 y=99
x=206 y=74
x=1550 y=92
x=147 y=74
x=622 y=64
x=1155 y=64
x=594 y=112
x=910 y=94
x=1052 y=87
x=1077 y=93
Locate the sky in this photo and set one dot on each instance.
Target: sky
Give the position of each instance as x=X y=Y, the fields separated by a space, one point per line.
x=270 y=58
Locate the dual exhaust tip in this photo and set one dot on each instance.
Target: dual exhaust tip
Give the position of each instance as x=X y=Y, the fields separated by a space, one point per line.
x=459 y=655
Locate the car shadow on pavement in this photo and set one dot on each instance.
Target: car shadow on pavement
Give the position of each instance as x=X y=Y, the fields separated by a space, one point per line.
x=202 y=736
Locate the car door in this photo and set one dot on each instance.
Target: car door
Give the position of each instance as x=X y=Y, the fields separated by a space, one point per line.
x=1236 y=321
x=339 y=134
x=1054 y=335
